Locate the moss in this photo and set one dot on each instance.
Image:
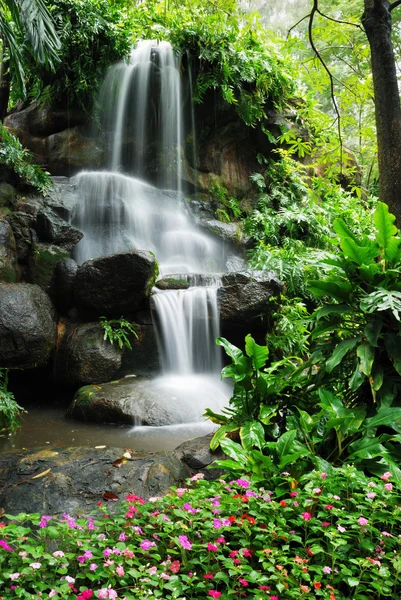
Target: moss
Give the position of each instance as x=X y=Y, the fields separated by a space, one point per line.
x=170 y=283
x=7 y=274
x=84 y=395
x=43 y=263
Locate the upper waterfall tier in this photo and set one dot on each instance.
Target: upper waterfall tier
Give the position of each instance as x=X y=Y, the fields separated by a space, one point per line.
x=141 y=114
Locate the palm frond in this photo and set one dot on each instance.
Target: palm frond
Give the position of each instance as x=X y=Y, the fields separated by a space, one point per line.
x=14 y=49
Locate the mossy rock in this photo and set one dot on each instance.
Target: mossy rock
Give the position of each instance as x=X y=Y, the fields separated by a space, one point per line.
x=170 y=283
x=8 y=195
x=42 y=265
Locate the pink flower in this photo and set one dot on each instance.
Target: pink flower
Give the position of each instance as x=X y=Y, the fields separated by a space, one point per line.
x=293 y=494
x=165 y=576
x=385 y=533
x=52 y=593
x=5 y=546
x=386 y=476
x=181 y=491
x=212 y=547
x=122 y=537
x=68 y=578
x=370 y=495
x=14 y=575
x=388 y=486
x=326 y=523
x=43 y=521
x=120 y=571
x=242 y=483
x=323 y=475
x=327 y=570
x=273 y=597
x=184 y=542
x=85 y=595
x=108 y=563
x=214 y=593
x=307 y=516
x=175 y=566
x=103 y=593
x=329 y=507
x=247 y=553
x=208 y=576
x=152 y=570
x=341 y=529
x=147 y=544
x=362 y=521
x=243 y=582
x=197 y=476
x=58 y=554
x=93 y=567
x=37 y=565
x=317 y=491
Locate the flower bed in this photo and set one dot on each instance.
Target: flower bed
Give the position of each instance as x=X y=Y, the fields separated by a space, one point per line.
x=329 y=536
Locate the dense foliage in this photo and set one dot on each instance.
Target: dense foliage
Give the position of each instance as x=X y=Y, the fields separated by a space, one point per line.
x=10 y=411
x=330 y=535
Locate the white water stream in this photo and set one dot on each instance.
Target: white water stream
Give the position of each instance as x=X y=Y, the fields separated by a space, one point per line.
x=121 y=208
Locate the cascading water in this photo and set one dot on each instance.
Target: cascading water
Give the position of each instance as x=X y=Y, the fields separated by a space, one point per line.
x=141 y=111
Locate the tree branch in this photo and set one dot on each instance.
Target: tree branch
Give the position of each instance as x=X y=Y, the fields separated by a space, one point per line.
x=315 y=9
x=394 y=5
x=297 y=23
x=338 y=21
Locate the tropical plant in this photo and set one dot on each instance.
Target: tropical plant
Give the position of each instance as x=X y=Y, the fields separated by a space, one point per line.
x=10 y=410
x=25 y=27
x=120 y=331
x=19 y=159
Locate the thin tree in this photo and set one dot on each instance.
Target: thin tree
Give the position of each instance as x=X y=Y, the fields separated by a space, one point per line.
x=32 y=20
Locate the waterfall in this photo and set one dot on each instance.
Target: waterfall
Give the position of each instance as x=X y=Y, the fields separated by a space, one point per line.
x=138 y=202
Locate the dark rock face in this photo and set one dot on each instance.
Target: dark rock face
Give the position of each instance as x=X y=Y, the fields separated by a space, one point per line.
x=144 y=358
x=115 y=285
x=8 y=253
x=24 y=234
x=244 y=296
x=27 y=326
x=69 y=152
x=75 y=479
x=83 y=356
x=64 y=278
x=8 y=195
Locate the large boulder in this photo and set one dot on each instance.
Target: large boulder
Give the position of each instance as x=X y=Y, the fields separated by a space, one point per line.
x=244 y=296
x=64 y=278
x=8 y=195
x=39 y=120
x=8 y=253
x=115 y=285
x=25 y=236
x=144 y=358
x=84 y=356
x=27 y=326
x=54 y=230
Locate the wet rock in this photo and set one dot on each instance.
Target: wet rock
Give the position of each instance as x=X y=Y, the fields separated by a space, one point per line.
x=27 y=326
x=244 y=296
x=170 y=283
x=144 y=358
x=196 y=454
x=39 y=120
x=74 y=480
x=229 y=232
x=42 y=264
x=24 y=234
x=84 y=356
x=132 y=400
x=53 y=229
x=64 y=278
x=8 y=253
x=8 y=195
x=115 y=285
x=69 y=152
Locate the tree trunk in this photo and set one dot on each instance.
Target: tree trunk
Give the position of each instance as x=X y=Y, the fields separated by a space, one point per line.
x=5 y=81
x=376 y=21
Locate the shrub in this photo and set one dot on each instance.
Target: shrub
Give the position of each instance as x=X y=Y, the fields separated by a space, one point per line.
x=332 y=535
x=10 y=411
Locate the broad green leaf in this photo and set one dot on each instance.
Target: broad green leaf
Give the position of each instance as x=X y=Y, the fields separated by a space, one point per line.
x=252 y=434
x=266 y=413
x=343 y=231
x=386 y=230
x=329 y=401
x=232 y=351
x=332 y=309
x=366 y=447
x=234 y=451
x=285 y=443
x=339 y=291
x=356 y=379
x=352 y=581
x=221 y=434
x=378 y=377
x=226 y=464
x=372 y=331
x=361 y=255
x=386 y=416
x=366 y=354
x=215 y=417
x=392 y=342
x=340 y=351
x=292 y=458
x=382 y=299
x=306 y=421
x=259 y=354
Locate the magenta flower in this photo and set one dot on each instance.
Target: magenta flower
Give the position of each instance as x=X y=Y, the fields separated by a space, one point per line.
x=147 y=544
x=122 y=537
x=242 y=483
x=362 y=521
x=243 y=582
x=307 y=516
x=212 y=547
x=43 y=521
x=5 y=546
x=214 y=593
x=323 y=475
x=184 y=542
x=327 y=570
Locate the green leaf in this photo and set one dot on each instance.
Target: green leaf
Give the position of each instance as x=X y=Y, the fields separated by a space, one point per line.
x=372 y=331
x=366 y=354
x=266 y=413
x=306 y=421
x=386 y=416
x=377 y=376
x=285 y=443
x=221 y=434
x=234 y=451
x=339 y=291
x=366 y=448
x=329 y=401
x=342 y=230
x=226 y=464
x=361 y=255
x=252 y=434
x=386 y=230
x=352 y=582
x=259 y=354
x=356 y=379
x=392 y=342
x=331 y=309
x=232 y=351
x=340 y=351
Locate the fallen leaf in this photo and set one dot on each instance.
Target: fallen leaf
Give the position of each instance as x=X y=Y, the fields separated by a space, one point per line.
x=41 y=474
x=119 y=462
x=100 y=447
x=110 y=497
